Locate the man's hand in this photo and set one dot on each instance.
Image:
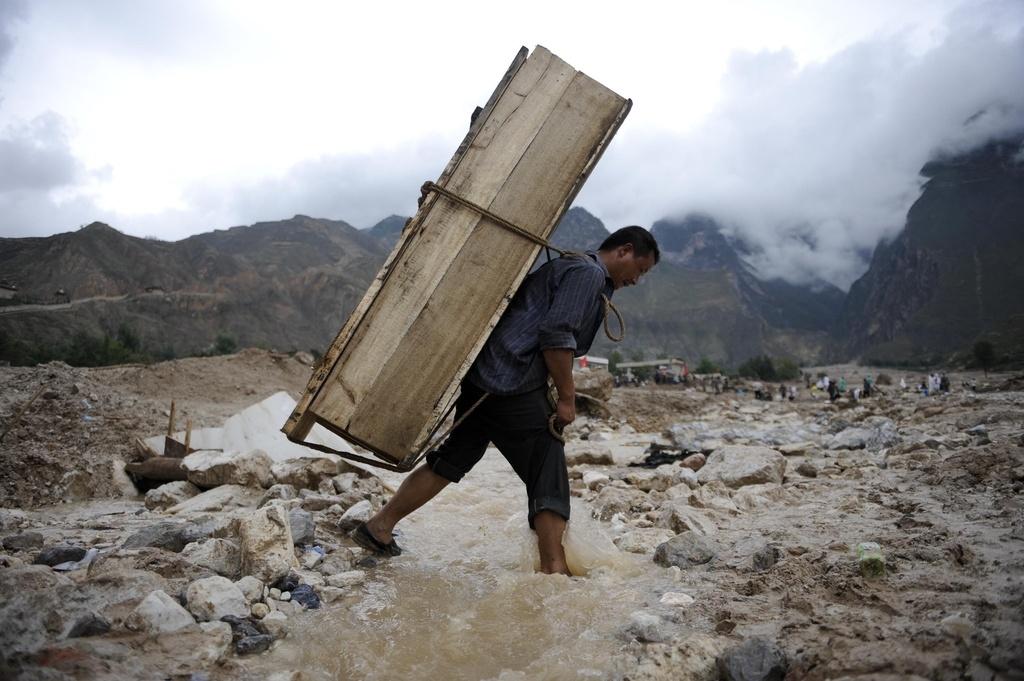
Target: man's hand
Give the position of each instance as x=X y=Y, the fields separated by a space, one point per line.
x=566 y=411
x=559 y=362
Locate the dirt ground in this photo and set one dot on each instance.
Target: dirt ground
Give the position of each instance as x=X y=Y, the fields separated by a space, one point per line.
x=942 y=497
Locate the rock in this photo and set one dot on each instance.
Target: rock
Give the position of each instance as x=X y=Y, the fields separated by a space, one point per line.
x=23 y=541
x=346 y=580
x=158 y=613
x=651 y=480
x=307 y=472
x=756 y=659
x=958 y=626
x=679 y=517
x=797 y=448
x=278 y=491
x=170 y=494
x=208 y=468
x=595 y=480
x=807 y=469
x=305 y=596
x=355 y=516
x=874 y=433
x=168 y=535
x=219 y=555
x=738 y=465
x=644 y=539
x=215 y=646
x=213 y=598
x=223 y=498
x=302 y=525
x=339 y=560
x=688 y=659
x=714 y=495
x=759 y=496
x=260 y=610
x=647 y=627
x=694 y=462
x=311 y=558
x=597 y=383
x=765 y=558
x=90 y=624
x=688 y=477
x=580 y=453
x=266 y=543
x=253 y=644
x=251 y=588
x=60 y=553
x=600 y=436
x=612 y=500
x=329 y=594
x=685 y=551
x=275 y=624
x=676 y=598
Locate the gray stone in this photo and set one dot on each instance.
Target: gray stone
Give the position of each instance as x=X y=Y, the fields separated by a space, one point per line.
x=738 y=465
x=90 y=624
x=579 y=453
x=253 y=644
x=170 y=494
x=60 y=553
x=278 y=491
x=685 y=551
x=223 y=498
x=23 y=541
x=210 y=468
x=756 y=659
x=611 y=500
x=339 y=560
x=807 y=469
x=251 y=588
x=355 y=516
x=647 y=627
x=643 y=539
x=219 y=555
x=158 y=613
x=267 y=548
x=307 y=472
x=169 y=535
x=302 y=524
x=679 y=517
x=213 y=598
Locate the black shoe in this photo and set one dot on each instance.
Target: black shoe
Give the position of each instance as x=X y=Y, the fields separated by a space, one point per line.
x=362 y=536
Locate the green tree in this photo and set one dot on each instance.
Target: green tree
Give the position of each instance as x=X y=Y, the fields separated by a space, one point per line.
x=613 y=361
x=786 y=369
x=706 y=366
x=225 y=344
x=760 y=367
x=984 y=355
x=127 y=337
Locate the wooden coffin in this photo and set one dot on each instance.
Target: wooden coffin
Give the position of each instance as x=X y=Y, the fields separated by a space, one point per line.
x=391 y=375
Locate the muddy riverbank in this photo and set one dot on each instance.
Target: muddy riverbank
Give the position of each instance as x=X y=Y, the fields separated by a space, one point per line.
x=750 y=548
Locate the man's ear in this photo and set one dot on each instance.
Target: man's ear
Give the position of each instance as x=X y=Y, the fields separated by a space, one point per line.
x=625 y=249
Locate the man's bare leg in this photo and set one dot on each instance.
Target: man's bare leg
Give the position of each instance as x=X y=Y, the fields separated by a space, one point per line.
x=550 y=527
x=418 y=488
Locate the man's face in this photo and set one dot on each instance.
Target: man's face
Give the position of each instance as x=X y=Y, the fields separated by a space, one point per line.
x=626 y=267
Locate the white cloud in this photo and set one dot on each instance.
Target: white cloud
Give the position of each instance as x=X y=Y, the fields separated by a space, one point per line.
x=811 y=166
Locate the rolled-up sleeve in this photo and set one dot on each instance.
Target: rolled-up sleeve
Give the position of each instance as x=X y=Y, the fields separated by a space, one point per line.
x=574 y=294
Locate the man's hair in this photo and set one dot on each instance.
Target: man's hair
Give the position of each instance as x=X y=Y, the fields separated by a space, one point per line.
x=642 y=241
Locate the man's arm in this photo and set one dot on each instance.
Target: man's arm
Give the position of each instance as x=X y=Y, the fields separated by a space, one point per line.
x=559 y=362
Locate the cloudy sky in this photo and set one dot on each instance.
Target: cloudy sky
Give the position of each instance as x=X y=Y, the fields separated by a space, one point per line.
x=800 y=124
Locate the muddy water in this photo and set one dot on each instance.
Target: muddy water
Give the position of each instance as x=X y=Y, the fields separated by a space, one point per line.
x=463 y=602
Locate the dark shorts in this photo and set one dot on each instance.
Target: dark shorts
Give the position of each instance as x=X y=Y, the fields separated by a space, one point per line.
x=518 y=427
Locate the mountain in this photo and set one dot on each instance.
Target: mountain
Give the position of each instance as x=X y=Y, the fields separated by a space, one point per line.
x=954 y=274
x=286 y=284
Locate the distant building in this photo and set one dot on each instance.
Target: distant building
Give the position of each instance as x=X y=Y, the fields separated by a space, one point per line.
x=591 y=362
x=672 y=366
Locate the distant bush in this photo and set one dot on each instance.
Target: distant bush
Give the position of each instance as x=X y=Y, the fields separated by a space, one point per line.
x=764 y=368
x=984 y=355
x=706 y=366
x=884 y=379
x=225 y=344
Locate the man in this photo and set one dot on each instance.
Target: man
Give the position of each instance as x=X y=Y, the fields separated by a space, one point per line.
x=553 y=317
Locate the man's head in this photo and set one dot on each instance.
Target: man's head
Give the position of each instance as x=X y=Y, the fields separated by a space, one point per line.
x=629 y=253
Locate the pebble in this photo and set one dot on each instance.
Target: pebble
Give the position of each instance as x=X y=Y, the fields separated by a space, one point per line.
x=260 y=610
x=676 y=598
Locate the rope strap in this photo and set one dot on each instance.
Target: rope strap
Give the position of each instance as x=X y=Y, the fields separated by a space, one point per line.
x=429 y=187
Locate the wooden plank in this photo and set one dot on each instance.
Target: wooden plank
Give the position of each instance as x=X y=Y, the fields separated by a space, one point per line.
x=448 y=328
x=396 y=364
x=506 y=135
x=302 y=419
